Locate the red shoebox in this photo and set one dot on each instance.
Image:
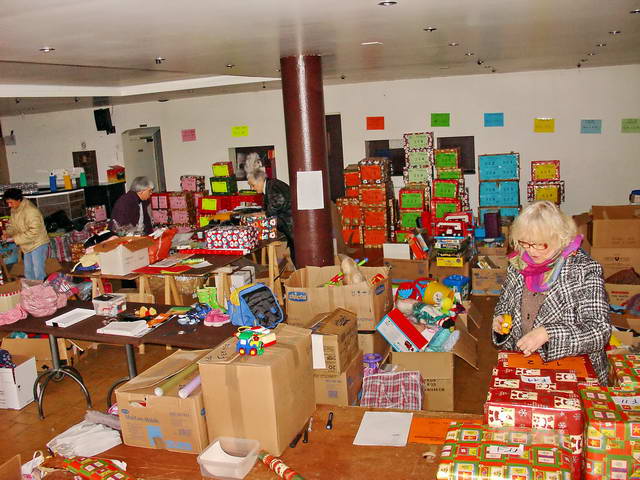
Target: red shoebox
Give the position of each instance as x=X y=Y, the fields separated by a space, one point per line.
x=373 y=195
x=375 y=236
x=352 y=192
x=374 y=217
x=352 y=236
x=518 y=363
x=538 y=379
x=351 y=176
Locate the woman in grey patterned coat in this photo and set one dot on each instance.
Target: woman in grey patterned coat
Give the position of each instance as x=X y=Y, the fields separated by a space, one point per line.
x=554 y=292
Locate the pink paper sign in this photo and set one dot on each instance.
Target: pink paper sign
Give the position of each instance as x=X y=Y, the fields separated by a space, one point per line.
x=189 y=135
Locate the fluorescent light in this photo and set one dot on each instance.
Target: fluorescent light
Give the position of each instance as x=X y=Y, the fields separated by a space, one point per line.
x=615 y=32
x=387 y=4
x=637 y=10
x=601 y=44
x=229 y=65
x=469 y=54
x=430 y=29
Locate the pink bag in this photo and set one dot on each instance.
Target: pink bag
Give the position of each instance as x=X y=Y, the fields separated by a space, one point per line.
x=41 y=300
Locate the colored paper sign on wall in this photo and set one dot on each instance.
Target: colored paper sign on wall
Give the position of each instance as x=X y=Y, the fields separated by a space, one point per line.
x=240 y=131
x=188 y=135
x=590 y=126
x=494 y=119
x=440 y=119
x=630 y=125
x=544 y=125
x=375 y=123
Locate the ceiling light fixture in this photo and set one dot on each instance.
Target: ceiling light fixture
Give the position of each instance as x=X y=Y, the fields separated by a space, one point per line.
x=159 y=60
x=230 y=65
x=387 y=4
x=364 y=44
x=469 y=54
x=615 y=32
x=591 y=54
x=584 y=60
x=453 y=44
x=444 y=68
x=601 y=44
x=430 y=29
x=637 y=10
x=47 y=49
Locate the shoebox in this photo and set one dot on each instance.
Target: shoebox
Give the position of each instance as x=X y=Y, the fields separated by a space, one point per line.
x=374 y=236
x=616 y=226
x=535 y=379
x=306 y=295
x=488 y=281
x=223 y=185
x=352 y=235
x=161 y=216
x=16 y=384
x=625 y=371
x=478 y=452
x=123 y=255
x=374 y=170
x=181 y=200
x=373 y=342
x=373 y=195
x=192 y=183
x=438 y=369
x=350 y=211
x=268 y=398
x=334 y=341
x=401 y=333
x=612 y=438
x=232 y=237
x=340 y=388
x=39 y=349
x=222 y=169
x=166 y=422
x=351 y=175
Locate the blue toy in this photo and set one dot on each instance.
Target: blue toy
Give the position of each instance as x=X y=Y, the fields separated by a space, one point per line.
x=254 y=305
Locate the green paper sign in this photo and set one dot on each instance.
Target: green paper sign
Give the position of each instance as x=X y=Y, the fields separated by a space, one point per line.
x=440 y=119
x=417 y=140
x=444 y=190
x=631 y=125
x=446 y=160
x=418 y=159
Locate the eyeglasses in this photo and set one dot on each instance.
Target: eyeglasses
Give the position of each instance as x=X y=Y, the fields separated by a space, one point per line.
x=534 y=246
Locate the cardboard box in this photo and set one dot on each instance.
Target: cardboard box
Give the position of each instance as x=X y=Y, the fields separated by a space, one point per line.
x=342 y=388
x=373 y=342
x=619 y=294
x=167 y=422
x=615 y=259
x=440 y=273
x=334 y=341
x=483 y=249
x=407 y=270
x=16 y=384
x=40 y=349
x=121 y=257
x=616 y=226
x=489 y=281
x=306 y=295
x=437 y=369
x=584 y=222
x=268 y=398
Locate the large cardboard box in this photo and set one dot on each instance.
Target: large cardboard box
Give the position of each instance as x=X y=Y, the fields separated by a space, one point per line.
x=488 y=281
x=167 y=422
x=268 y=398
x=342 y=388
x=16 y=384
x=615 y=259
x=616 y=226
x=40 y=349
x=438 y=369
x=440 y=273
x=334 y=341
x=306 y=296
x=122 y=256
x=407 y=270
x=373 y=342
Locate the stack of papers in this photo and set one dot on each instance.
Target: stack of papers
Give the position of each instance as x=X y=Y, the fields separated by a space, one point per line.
x=137 y=328
x=70 y=318
x=389 y=429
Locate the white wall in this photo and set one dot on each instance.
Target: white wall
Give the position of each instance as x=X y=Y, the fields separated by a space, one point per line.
x=598 y=169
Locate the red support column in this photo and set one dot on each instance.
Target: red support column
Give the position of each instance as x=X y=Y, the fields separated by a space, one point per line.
x=307 y=152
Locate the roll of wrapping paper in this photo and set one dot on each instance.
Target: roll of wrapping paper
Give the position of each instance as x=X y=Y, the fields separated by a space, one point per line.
x=279 y=467
x=185 y=391
x=175 y=380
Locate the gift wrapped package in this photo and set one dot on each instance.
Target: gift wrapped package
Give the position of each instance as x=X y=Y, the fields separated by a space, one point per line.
x=222 y=169
x=267 y=226
x=350 y=211
x=180 y=216
x=374 y=217
x=373 y=195
x=77 y=251
x=97 y=213
x=475 y=452
x=352 y=192
x=411 y=198
x=161 y=216
x=159 y=200
x=351 y=176
x=374 y=236
x=352 y=235
x=192 y=183
x=374 y=170
x=612 y=440
x=223 y=185
x=418 y=141
x=517 y=362
x=232 y=238
x=181 y=201
x=625 y=371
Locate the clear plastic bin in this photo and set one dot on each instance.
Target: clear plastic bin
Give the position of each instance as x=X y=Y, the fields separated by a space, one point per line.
x=228 y=458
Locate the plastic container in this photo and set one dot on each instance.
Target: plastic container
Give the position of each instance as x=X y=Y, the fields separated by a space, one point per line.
x=228 y=458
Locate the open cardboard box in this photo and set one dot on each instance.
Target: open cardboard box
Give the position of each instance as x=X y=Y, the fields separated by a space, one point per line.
x=616 y=226
x=407 y=270
x=488 y=281
x=438 y=369
x=121 y=256
x=39 y=348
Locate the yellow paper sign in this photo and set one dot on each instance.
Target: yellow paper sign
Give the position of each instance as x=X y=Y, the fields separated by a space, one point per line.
x=547 y=193
x=545 y=171
x=240 y=131
x=544 y=125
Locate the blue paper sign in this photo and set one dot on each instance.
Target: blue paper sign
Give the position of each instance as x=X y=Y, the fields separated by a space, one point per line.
x=590 y=126
x=494 y=119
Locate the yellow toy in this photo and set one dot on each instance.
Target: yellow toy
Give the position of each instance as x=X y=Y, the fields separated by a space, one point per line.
x=439 y=295
x=507 y=323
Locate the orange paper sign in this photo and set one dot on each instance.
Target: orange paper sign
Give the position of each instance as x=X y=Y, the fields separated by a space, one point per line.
x=375 y=123
x=517 y=360
x=432 y=430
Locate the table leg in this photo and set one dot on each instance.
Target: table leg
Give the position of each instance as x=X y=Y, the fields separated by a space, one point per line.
x=133 y=371
x=57 y=372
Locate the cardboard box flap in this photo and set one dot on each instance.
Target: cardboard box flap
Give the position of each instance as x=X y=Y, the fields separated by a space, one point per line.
x=615 y=212
x=132 y=244
x=466 y=348
x=163 y=370
x=333 y=323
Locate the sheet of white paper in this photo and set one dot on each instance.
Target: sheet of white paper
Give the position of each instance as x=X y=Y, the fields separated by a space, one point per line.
x=309 y=185
x=388 y=429
x=167 y=262
x=201 y=265
x=70 y=318
x=317 y=350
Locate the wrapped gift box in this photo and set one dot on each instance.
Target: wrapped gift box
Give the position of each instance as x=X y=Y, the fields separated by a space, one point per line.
x=232 y=238
x=417 y=141
x=373 y=195
x=412 y=198
x=418 y=175
x=183 y=216
x=402 y=236
x=612 y=440
x=449 y=174
x=350 y=211
x=535 y=379
x=351 y=175
x=374 y=236
x=181 y=201
x=625 y=371
x=352 y=192
x=223 y=185
x=475 y=452
x=161 y=216
x=267 y=226
x=439 y=208
x=97 y=213
x=77 y=251
x=419 y=158
x=374 y=217
x=222 y=169
x=447 y=158
x=408 y=218
x=374 y=170
x=444 y=189
x=352 y=235
x=552 y=191
x=159 y=200
x=545 y=170
x=115 y=174
x=517 y=362
x=192 y=183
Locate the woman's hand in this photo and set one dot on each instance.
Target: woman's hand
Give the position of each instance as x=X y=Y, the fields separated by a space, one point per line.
x=533 y=340
x=497 y=324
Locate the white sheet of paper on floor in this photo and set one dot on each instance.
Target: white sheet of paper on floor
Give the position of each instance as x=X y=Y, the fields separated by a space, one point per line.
x=387 y=429
x=70 y=318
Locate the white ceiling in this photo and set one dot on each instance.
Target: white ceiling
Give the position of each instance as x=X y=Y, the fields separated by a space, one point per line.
x=108 y=48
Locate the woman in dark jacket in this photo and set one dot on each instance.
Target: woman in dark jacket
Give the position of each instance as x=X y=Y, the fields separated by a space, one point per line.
x=130 y=213
x=554 y=292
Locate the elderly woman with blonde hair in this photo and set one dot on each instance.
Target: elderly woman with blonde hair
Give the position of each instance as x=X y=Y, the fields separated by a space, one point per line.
x=554 y=292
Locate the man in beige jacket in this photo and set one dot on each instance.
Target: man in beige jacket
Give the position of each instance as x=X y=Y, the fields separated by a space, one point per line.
x=26 y=228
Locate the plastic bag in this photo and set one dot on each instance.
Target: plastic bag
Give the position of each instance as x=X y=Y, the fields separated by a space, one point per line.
x=41 y=300
x=84 y=439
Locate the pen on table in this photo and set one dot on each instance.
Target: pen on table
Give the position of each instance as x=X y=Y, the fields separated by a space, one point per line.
x=295 y=441
x=329 y=425
x=305 y=437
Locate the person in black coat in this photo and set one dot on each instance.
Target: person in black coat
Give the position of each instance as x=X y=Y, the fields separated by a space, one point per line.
x=130 y=213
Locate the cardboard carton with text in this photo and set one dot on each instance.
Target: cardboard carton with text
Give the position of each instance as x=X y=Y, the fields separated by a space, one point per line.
x=334 y=341
x=340 y=388
x=616 y=226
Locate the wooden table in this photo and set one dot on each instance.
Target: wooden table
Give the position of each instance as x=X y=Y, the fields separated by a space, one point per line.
x=329 y=455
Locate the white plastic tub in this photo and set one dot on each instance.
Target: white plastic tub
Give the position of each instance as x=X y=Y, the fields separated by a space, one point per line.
x=228 y=458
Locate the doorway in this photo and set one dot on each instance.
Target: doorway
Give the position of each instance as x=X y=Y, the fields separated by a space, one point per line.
x=142 y=151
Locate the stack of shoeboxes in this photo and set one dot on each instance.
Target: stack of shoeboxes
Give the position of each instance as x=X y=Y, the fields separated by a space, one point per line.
x=418 y=174
x=499 y=176
x=160 y=213
x=210 y=207
x=349 y=206
x=545 y=182
x=376 y=200
x=224 y=180
x=182 y=206
x=447 y=190
x=337 y=359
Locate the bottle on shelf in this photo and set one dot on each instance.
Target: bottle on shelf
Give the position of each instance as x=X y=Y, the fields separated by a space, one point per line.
x=53 y=182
